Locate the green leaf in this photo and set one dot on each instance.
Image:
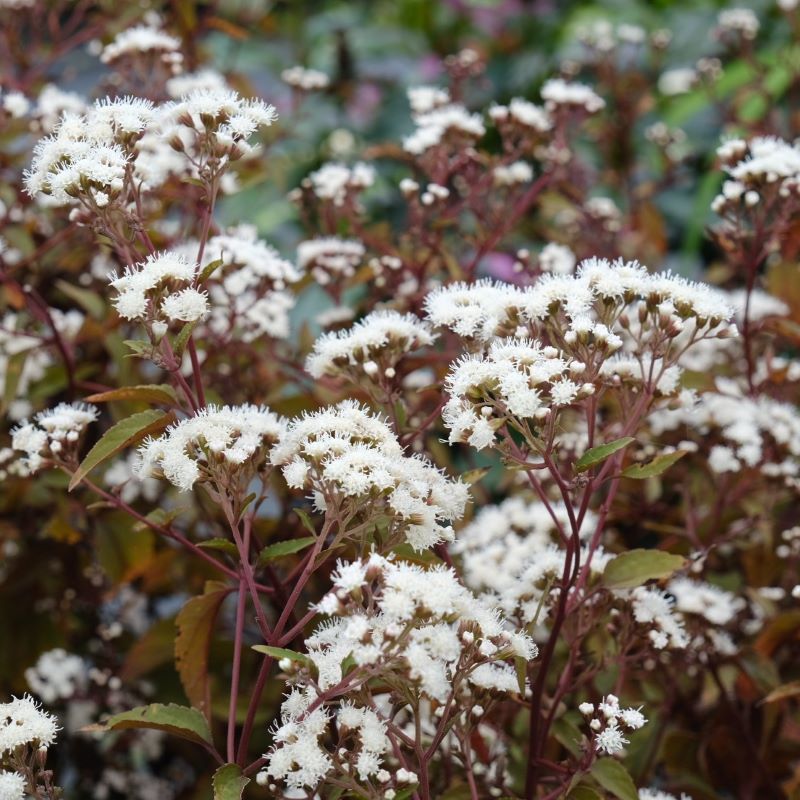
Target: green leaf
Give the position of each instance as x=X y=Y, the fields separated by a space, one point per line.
x=306 y=520
x=150 y=393
x=284 y=548
x=655 y=467
x=521 y=667
x=182 y=339
x=614 y=778
x=636 y=567
x=88 y=300
x=195 y=623
x=187 y=723
x=281 y=652
x=584 y=792
x=118 y=437
x=475 y=475
x=209 y=269
x=229 y=783
x=568 y=735
x=218 y=543
x=600 y=453
x=160 y=516
x=141 y=348
x=14 y=366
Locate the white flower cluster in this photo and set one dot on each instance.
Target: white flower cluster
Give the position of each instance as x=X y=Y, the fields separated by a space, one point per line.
x=95 y=157
x=89 y=156
x=228 y=443
x=15 y=104
x=575 y=323
x=605 y=722
x=52 y=434
x=598 y=293
x=678 y=80
x=763 y=172
x=561 y=95
x=602 y=36
x=249 y=292
x=739 y=21
x=423 y=99
x=656 y=610
x=25 y=734
x=743 y=432
x=22 y=722
x=713 y=604
x=213 y=126
x=338 y=183
x=205 y=79
x=12 y=785
x=657 y=794
x=557 y=259
x=352 y=459
x=160 y=290
x=140 y=39
x=438 y=121
x=327 y=258
x=509 y=553
x=37 y=358
x=512 y=174
x=372 y=347
x=304 y=78
x=516 y=379
x=521 y=117
x=57 y=675
x=405 y=625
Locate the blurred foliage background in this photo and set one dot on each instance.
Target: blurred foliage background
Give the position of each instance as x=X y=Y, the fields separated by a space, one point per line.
x=77 y=577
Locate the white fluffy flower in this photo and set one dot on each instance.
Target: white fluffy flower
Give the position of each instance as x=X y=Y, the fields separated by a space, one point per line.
x=382 y=338
x=337 y=182
x=304 y=78
x=139 y=39
x=234 y=438
x=435 y=125
x=329 y=257
x=187 y=305
x=51 y=432
x=12 y=785
x=346 y=453
x=140 y=283
x=57 y=675
x=22 y=722
x=558 y=94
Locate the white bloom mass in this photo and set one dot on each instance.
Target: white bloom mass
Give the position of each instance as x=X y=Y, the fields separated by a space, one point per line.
x=233 y=439
x=381 y=338
x=22 y=722
x=351 y=458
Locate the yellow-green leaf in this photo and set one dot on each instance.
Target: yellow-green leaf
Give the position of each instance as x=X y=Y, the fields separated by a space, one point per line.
x=285 y=548
x=209 y=269
x=635 y=567
x=229 y=783
x=125 y=433
x=218 y=543
x=600 y=453
x=655 y=467
x=85 y=298
x=614 y=778
x=187 y=723
x=150 y=393
x=281 y=652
